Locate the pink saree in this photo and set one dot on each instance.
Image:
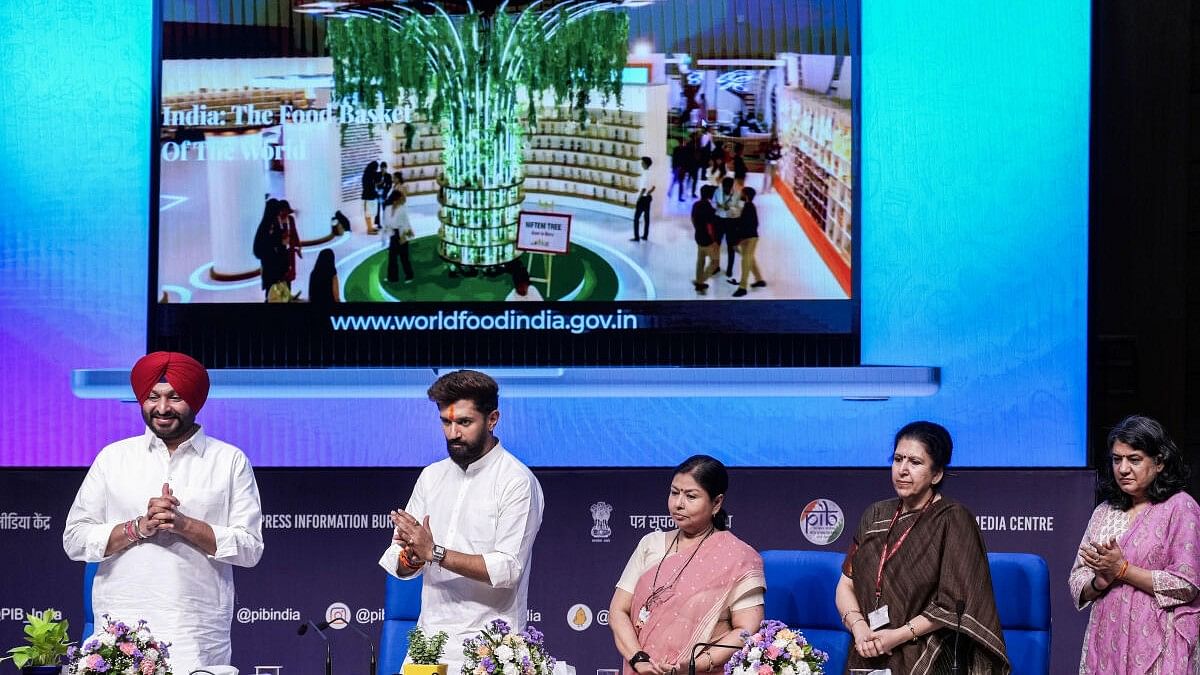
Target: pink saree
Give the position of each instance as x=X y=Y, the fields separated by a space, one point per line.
x=723 y=570
x=1132 y=632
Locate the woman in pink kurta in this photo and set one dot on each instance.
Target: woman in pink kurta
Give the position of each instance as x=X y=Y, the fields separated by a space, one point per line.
x=1139 y=563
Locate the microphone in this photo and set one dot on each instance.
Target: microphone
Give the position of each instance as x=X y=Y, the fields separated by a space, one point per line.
x=959 y=608
x=362 y=633
x=692 y=660
x=320 y=631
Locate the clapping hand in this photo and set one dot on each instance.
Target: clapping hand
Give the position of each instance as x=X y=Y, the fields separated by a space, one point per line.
x=159 y=511
x=416 y=536
x=1104 y=558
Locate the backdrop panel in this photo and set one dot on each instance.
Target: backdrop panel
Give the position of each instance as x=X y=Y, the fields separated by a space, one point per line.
x=325 y=529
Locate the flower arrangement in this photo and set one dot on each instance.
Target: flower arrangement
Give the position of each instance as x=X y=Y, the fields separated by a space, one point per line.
x=120 y=649
x=776 y=649
x=497 y=650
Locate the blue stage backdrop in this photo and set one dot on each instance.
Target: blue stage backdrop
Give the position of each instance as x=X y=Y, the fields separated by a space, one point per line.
x=325 y=530
x=974 y=248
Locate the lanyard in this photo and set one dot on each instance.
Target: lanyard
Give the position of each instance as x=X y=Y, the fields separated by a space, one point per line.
x=889 y=553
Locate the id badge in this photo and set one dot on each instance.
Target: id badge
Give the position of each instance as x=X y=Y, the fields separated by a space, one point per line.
x=879 y=618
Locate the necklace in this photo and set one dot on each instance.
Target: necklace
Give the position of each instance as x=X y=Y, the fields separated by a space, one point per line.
x=658 y=594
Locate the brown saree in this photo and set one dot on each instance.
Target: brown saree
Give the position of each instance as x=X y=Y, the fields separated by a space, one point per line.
x=942 y=562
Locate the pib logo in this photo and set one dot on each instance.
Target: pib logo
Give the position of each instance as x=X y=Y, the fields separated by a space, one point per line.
x=822 y=521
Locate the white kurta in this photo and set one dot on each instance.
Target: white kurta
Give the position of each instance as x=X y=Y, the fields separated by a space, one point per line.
x=185 y=595
x=493 y=509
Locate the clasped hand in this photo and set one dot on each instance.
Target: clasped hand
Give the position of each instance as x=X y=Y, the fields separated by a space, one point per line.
x=653 y=667
x=162 y=514
x=413 y=535
x=870 y=644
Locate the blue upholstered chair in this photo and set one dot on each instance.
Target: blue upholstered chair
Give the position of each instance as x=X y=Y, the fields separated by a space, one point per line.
x=401 y=607
x=800 y=593
x=89 y=620
x=1021 y=582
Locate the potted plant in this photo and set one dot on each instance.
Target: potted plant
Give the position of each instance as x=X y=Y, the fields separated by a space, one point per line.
x=47 y=645
x=425 y=653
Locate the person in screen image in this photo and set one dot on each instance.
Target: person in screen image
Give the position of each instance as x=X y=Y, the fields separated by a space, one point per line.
x=728 y=201
x=291 y=240
x=370 y=178
x=397 y=231
x=1138 y=566
x=708 y=251
x=645 y=196
x=469 y=526
x=523 y=290
x=773 y=154
x=323 y=286
x=697 y=583
x=747 y=238
x=679 y=169
x=695 y=163
x=167 y=515
x=269 y=246
x=383 y=188
x=917 y=569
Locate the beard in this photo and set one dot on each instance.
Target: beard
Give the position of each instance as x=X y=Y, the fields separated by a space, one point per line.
x=464 y=452
x=182 y=427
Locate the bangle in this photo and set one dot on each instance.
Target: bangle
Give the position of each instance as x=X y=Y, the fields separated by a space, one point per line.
x=137 y=528
x=710 y=660
x=853 y=623
x=130 y=534
x=848 y=613
x=1095 y=587
x=404 y=560
x=912 y=630
x=1124 y=569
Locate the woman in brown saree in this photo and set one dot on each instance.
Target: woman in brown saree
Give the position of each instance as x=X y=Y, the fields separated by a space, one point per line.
x=698 y=583
x=917 y=572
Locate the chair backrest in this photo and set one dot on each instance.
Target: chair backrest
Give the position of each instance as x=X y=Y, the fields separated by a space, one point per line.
x=89 y=619
x=401 y=607
x=800 y=592
x=1021 y=583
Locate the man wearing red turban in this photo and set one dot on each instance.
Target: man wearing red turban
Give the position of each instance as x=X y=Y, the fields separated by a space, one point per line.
x=167 y=514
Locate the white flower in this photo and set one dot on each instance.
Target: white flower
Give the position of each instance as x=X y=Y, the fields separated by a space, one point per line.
x=143 y=635
x=745 y=669
x=511 y=669
x=754 y=655
x=150 y=654
x=504 y=654
x=523 y=653
x=780 y=643
x=803 y=669
x=108 y=639
x=787 y=670
x=130 y=670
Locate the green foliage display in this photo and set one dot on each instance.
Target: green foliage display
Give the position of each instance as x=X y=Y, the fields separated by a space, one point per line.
x=466 y=73
x=47 y=641
x=424 y=650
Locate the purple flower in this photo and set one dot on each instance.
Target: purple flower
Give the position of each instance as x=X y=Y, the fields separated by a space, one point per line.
x=90 y=645
x=97 y=663
x=71 y=651
x=488 y=664
x=501 y=626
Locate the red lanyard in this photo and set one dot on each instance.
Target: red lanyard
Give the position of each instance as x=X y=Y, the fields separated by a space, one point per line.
x=889 y=553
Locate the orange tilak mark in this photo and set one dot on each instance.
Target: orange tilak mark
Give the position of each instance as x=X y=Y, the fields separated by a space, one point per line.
x=452 y=418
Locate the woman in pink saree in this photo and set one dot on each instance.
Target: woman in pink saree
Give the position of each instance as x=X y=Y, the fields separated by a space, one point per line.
x=698 y=583
x=1139 y=562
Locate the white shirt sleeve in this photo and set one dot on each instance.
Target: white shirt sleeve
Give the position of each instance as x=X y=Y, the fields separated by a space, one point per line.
x=85 y=536
x=239 y=541
x=517 y=526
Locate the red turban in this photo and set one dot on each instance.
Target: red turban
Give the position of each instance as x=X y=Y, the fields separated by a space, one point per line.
x=182 y=372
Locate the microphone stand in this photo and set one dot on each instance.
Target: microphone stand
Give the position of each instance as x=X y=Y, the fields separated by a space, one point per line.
x=692 y=660
x=363 y=634
x=328 y=651
x=959 y=608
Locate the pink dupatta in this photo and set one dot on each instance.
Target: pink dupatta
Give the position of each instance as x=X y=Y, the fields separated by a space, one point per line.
x=1127 y=635
x=724 y=569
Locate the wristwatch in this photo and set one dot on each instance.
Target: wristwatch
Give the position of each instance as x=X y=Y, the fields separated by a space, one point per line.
x=439 y=552
x=639 y=657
